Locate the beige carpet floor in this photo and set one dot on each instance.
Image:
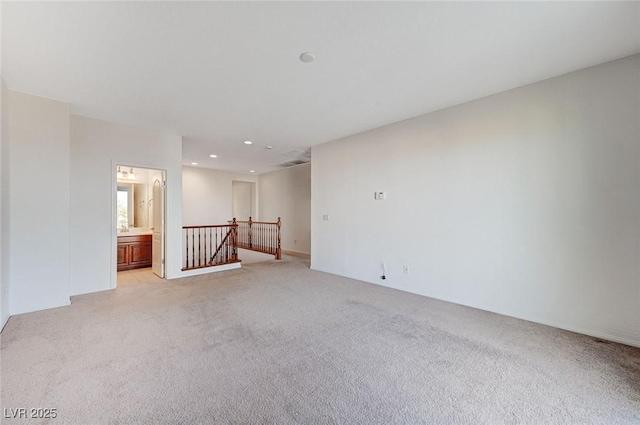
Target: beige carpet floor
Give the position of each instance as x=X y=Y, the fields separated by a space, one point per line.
x=277 y=343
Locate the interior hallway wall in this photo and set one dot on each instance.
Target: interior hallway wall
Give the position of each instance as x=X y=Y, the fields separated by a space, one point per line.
x=525 y=203
x=96 y=147
x=208 y=195
x=38 y=131
x=287 y=194
x=243 y=205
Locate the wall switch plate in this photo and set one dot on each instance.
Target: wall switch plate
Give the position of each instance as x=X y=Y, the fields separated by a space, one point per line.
x=379 y=195
x=325 y=217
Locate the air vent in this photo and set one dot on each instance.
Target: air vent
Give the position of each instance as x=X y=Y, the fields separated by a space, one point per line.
x=293 y=163
x=296 y=157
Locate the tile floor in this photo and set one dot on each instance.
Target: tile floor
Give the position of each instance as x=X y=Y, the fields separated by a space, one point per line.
x=137 y=276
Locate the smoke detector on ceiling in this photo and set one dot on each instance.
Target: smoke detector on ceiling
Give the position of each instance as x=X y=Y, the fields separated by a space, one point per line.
x=307 y=57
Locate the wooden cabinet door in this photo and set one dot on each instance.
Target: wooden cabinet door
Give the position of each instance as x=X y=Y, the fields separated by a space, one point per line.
x=123 y=257
x=134 y=252
x=140 y=254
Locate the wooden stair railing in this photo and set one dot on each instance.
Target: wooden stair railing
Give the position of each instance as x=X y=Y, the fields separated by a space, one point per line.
x=211 y=245
x=260 y=236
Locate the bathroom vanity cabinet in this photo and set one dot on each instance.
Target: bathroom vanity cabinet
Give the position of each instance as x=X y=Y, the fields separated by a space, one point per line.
x=134 y=252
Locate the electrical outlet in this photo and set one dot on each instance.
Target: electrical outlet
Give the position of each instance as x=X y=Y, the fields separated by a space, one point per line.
x=405 y=269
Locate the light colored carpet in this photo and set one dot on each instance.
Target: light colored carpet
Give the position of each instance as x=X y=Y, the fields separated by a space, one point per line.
x=277 y=343
x=250 y=257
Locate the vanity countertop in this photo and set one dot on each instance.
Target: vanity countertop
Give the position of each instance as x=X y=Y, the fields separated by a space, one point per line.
x=136 y=231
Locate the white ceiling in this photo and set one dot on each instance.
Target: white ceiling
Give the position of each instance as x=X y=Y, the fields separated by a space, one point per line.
x=222 y=73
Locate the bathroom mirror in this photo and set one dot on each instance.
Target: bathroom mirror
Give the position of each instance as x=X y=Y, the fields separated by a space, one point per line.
x=135 y=197
x=132 y=205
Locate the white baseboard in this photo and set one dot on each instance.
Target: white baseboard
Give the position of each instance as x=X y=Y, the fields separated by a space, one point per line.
x=4 y=322
x=559 y=325
x=541 y=321
x=576 y=329
x=296 y=253
x=41 y=308
x=206 y=270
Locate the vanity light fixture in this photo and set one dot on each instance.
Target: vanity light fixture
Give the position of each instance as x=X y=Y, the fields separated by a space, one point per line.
x=125 y=175
x=248 y=142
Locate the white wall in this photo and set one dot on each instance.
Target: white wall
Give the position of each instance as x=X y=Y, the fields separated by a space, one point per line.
x=207 y=195
x=39 y=203
x=526 y=203
x=244 y=196
x=4 y=207
x=287 y=194
x=96 y=147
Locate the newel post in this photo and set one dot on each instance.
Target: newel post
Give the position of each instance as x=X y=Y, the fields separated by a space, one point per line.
x=279 y=250
x=234 y=241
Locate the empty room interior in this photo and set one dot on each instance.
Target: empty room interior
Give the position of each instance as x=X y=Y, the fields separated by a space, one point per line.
x=320 y=212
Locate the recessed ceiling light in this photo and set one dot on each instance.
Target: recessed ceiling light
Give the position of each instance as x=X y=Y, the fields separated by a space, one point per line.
x=248 y=142
x=213 y=155
x=307 y=57
x=252 y=171
x=269 y=147
x=194 y=163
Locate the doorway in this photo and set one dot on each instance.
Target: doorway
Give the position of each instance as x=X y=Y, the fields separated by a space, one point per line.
x=244 y=200
x=140 y=208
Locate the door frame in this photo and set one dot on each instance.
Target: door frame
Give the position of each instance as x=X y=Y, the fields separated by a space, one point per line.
x=163 y=229
x=114 y=208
